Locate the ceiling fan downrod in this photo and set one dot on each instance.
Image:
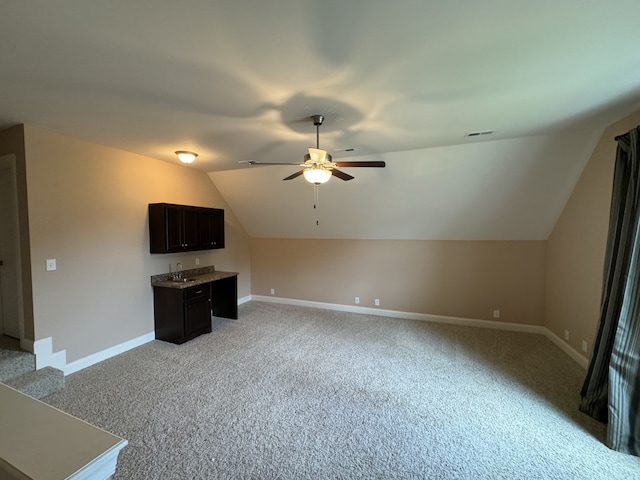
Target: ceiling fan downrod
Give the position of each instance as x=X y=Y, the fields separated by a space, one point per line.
x=317 y=121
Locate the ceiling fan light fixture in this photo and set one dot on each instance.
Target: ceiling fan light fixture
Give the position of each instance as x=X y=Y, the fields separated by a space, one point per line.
x=316 y=175
x=186 y=156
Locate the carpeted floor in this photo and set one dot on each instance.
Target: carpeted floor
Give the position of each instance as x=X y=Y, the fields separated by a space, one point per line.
x=297 y=393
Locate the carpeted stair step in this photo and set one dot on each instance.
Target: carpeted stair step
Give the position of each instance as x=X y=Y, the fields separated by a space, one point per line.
x=14 y=363
x=39 y=383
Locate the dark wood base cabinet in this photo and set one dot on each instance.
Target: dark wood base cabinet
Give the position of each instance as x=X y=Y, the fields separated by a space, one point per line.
x=182 y=314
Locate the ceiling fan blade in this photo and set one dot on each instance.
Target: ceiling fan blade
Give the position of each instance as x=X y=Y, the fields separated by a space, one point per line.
x=341 y=175
x=294 y=175
x=377 y=164
x=253 y=162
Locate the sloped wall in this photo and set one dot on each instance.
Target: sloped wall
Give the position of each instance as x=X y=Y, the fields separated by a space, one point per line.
x=576 y=247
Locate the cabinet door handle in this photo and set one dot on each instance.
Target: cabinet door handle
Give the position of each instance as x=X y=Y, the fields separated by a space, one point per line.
x=199 y=291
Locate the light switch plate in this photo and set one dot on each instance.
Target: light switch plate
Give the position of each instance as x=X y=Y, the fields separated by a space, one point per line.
x=51 y=264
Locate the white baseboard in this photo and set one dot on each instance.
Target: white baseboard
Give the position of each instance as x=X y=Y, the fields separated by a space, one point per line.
x=107 y=353
x=43 y=349
x=469 y=322
x=45 y=356
x=562 y=345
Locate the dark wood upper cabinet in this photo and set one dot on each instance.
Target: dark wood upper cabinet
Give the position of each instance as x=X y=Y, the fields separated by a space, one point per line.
x=211 y=228
x=180 y=228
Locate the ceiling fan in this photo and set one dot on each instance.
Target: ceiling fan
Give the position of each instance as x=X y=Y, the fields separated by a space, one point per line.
x=318 y=166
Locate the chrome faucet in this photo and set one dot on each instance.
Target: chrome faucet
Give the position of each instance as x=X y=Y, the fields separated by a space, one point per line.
x=179 y=271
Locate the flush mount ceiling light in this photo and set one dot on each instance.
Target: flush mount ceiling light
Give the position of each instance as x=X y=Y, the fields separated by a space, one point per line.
x=186 y=156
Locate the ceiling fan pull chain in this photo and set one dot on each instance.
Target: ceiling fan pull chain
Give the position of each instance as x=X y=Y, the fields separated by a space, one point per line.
x=315 y=201
x=315 y=196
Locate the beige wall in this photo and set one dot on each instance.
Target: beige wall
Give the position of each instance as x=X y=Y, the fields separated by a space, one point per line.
x=88 y=210
x=467 y=279
x=576 y=247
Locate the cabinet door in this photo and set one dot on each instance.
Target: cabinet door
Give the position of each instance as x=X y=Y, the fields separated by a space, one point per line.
x=197 y=315
x=190 y=228
x=211 y=228
x=217 y=228
x=173 y=218
x=205 y=217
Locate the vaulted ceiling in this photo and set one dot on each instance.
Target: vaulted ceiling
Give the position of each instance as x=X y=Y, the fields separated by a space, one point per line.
x=403 y=82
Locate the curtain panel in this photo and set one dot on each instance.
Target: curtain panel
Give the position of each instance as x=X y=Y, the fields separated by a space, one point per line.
x=611 y=391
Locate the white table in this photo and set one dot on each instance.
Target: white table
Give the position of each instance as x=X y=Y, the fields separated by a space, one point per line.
x=40 y=442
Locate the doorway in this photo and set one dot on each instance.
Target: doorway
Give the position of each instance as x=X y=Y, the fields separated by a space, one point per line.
x=10 y=264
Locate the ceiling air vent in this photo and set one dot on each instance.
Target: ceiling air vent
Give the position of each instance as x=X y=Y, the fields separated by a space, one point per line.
x=479 y=133
x=347 y=149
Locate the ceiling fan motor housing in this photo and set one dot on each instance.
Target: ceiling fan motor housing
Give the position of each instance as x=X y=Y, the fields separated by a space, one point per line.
x=327 y=157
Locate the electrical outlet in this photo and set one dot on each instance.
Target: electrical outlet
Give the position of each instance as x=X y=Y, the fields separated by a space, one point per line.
x=273 y=291
x=496 y=314
x=197 y=261
x=566 y=335
x=584 y=346
x=357 y=300
x=51 y=264
x=377 y=302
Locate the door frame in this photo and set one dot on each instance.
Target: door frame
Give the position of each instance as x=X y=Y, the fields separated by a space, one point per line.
x=11 y=287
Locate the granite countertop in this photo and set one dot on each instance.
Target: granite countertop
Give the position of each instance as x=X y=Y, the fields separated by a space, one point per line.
x=196 y=276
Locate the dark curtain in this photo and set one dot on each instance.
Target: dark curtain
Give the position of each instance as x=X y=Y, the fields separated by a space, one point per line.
x=611 y=390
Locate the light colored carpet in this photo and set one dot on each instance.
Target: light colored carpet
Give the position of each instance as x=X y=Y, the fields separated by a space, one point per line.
x=294 y=393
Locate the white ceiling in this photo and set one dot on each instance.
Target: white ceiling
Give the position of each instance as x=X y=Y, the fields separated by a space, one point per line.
x=399 y=81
